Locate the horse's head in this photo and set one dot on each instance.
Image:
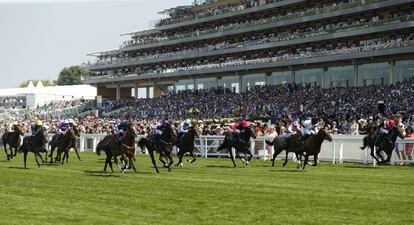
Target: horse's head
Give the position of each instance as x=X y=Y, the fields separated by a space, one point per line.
x=324 y=135
x=42 y=134
x=76 y=131
x=19 y=130
x=193 y=132
x=247 y=134
x=142 y=142
x=396 y=132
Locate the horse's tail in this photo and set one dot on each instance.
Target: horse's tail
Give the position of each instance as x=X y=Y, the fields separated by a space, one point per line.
x=271 y=143
x=99 y=147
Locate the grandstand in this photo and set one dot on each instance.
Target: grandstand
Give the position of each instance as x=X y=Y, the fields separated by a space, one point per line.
x=239 y=44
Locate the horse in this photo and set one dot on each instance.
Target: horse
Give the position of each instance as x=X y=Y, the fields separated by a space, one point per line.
x=163 y=145
x=36 y=144
x=387 y=144
x=241 y=143
x=113 y=146
x=65 y=143
x=292 y=145
x=13 y=140
x=312 y=146
x=59 y=141
x=369 y=141
x=186 y=144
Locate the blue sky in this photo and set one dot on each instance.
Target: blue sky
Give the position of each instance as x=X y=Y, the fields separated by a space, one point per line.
x=39 y=38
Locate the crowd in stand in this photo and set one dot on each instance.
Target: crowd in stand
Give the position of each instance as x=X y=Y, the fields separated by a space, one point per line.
x=279 y=16
x=272 y=37
x=12 y=102
x=397 y=41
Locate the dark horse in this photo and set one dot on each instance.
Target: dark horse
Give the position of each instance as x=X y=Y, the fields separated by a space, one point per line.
x=369 y=141
x=163 y=145
x=292 y=145
x=386 y=143
x=312 y=146
x=36 y=144
x=240 y=142
x=186 y=144
x=64 y=143
x=13 y=140
x=113 y=146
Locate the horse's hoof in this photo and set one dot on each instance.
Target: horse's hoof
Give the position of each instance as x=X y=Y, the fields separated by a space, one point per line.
x=181 y=165
x=189 y=161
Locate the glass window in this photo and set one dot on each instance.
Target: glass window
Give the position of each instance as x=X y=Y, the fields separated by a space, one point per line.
x=231 y=82
x=340 y=76
x=206 y=83
x=309 y=76
x=281 y=77
x=252 y=80
x=374 y=74
x=182 y=85
x=404 y=70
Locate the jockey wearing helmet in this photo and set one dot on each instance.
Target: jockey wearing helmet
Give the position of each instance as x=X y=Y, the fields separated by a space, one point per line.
x=387 y=125
x=160 y=127
x=36 y=126
x=63 y=126
x=307 y=127
x=292 y=129
x=12 y=126
x=184 y=127
x=239 y=126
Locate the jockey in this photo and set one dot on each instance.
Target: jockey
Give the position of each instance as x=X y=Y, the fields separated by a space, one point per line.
x=36 y=126
x=386 y=126
x=307 y=128
x=292 y=129
x=12 y=126
x=160 y=127
x=63 y=126
x=184 y=127
x=239 y=126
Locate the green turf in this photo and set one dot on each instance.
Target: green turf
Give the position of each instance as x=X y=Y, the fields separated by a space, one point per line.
x=207 y=192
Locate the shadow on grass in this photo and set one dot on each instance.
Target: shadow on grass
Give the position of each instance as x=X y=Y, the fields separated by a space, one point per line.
x=19 y=168
x=219 y=166
x=362 y=166
x=288 y=171
x=101 y=173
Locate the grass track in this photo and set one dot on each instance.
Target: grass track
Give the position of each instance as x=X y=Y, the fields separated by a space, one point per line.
x=207 y=192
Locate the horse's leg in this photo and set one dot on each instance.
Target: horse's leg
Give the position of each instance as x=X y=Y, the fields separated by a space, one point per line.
x=109 y=158
x=41 y=157
x=117 y=163
x=151 y=152
x=52 y=149
x=37 y=160
x=131 y=161
x=286 y=158
x=315 y=159
x=5 y=150
x=250 y=157
x=170 y=161
x=77 y=153
x=373 y=155
x=25 y=158
x=231 y=156
x=67 y=156
x=64 y=157
x=194 y=157
x=15 y=151
x=306 y=161
x=275 y=154
x=161 y=158
x=180 y=158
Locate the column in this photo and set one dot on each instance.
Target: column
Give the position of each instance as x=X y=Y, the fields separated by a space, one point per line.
x=118 y=92
x=392 y=72
x=240 y=83
x=293 y=74
x=267 y=76
x=148 y=92
x=195 y=84
x=323 y=77
x=356 y=73
x=136 y=91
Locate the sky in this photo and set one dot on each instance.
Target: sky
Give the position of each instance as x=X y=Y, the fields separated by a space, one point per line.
x=38 y=38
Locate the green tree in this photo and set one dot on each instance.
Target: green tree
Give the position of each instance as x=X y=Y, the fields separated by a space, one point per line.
x=71 y=75
x=46 y=83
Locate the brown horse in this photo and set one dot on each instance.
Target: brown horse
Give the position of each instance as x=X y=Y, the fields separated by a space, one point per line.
x=66 y=143
x=386 y=143
x=292 y=145
x=241 y=143
x=163 y=145
x=186 y=144
x=36 y=144
x=312 y=146
x=113 y=147
x=60 y=141
x=13 y=140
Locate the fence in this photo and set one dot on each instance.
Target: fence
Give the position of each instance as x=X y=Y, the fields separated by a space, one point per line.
x=342 y=148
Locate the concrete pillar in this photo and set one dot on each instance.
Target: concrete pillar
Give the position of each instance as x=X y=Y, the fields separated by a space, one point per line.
x=356 y=73
x=216 y=82
x=267 y=77
x=392 y=72
x=118 y=92
x=148 y=92
x=323 y=77
x=136 y=91
x=293 y=74
x=195 y=84
x=240 y=83
x=175 y=87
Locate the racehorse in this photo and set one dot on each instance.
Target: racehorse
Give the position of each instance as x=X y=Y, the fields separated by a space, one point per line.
x=291 y=146
x=387 y=144
x=36 y=144
x=113 y=146
x=241 y=143
x=163 y=145
x=13 y=140
x=312 y=146
x=369 y=141
x=65 y=141
x=186 y=144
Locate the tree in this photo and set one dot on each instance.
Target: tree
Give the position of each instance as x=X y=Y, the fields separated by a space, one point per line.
x=45 y=83
x=71 y=75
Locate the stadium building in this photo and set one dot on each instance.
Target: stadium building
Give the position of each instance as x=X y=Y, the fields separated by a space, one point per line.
x=242 y=43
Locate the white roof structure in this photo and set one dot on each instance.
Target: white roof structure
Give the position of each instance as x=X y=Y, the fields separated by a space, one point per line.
x=75 y=91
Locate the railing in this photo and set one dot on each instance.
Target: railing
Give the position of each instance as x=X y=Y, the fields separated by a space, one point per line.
x=343 y=148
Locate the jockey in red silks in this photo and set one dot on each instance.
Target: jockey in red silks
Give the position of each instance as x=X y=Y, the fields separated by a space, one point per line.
x=239 y=126
x=388 y=124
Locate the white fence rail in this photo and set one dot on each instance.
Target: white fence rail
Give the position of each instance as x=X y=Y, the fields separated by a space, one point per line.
x=342 y=148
